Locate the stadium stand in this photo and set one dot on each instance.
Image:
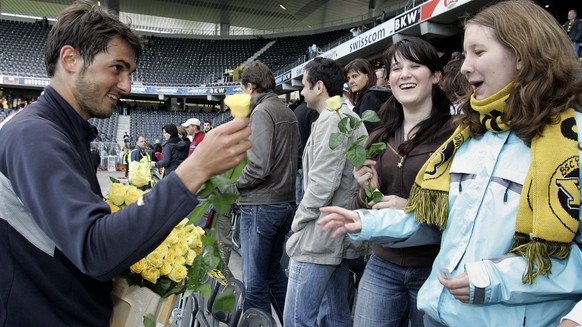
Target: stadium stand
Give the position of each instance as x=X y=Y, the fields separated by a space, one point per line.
x=107 y=127
x=166 y=61
x=22 y=52
x=286 y=51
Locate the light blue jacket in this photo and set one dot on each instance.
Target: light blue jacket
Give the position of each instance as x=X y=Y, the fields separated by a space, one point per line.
x=487 y=174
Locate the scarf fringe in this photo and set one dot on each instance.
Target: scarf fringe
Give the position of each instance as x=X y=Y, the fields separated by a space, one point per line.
x=430 y=206
x=537 y=253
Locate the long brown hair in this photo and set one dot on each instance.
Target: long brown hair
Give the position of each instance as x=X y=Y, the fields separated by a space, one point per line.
x=547 y=84
x=391 y=112
x=362 y=66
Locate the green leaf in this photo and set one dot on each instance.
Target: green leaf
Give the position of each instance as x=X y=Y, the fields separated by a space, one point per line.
x=234 y=173
x=335 y=140
x=377 y=196
x=196 y=273
x=149 y=320
x=355 y=122
x=368 y=193
x=375 y=149
x=357 y=156
x=114 y=180
x=205 y=191
x=224 y=300
x=370 y=116
x=223 y=202
x=221 y=182
x=205 y=290
x=211 y=258
x=343 y=123
x=198 y=212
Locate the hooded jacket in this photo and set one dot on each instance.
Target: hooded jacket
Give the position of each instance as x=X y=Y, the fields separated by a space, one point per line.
x=372 y=99
x=174 y=151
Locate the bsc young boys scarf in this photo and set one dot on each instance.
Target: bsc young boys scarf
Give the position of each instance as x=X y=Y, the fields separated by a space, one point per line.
x=547 y=217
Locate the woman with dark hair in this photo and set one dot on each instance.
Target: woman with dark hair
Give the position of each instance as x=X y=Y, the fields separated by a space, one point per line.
x=505 y=187
x=414 y=122
x=364 y=94
x=174 y=150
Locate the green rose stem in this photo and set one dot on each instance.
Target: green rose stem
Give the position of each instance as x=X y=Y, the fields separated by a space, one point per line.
x=355 y=152
x=216 y=192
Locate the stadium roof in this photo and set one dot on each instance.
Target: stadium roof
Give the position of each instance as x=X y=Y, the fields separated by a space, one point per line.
x=205 y=17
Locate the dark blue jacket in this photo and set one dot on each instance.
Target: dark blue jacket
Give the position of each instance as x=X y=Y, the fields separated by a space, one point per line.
x=60 y=246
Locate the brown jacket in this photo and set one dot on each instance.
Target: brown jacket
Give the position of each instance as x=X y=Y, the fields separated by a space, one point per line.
x=399 y=181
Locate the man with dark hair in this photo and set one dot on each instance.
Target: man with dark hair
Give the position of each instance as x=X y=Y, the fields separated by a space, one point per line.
x=267 y=190
x=574 y=29
x=317 y=293
x=60 y=244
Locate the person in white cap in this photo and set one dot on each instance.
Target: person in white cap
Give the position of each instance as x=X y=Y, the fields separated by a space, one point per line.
x=193 y=128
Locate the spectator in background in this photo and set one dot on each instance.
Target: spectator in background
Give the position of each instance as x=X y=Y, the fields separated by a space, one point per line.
x=174 y=150
x=183 y=135
x=267 y=191
x=305 y=119
x=381 y=77
x=157 y=148
x=574 y=29
x=454 y=83
x=207 y=126
x=126 y=140
x=192 y=126
x=95 y=157
x=364 y=94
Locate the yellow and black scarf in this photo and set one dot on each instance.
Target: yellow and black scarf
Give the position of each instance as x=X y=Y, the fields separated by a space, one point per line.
x=547 y=217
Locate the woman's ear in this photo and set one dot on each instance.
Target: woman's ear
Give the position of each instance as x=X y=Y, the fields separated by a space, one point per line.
x=436 y=77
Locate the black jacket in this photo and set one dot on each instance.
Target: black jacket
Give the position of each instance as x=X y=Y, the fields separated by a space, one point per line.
x=372 y=99
x=575 y=33
x=174 y=151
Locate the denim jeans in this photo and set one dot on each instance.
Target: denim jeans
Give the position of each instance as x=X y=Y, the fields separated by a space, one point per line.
x=387 y=294
x=317 y=295
x=262 y=234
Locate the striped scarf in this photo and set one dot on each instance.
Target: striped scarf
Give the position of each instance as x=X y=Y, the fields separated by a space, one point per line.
x=547 y=216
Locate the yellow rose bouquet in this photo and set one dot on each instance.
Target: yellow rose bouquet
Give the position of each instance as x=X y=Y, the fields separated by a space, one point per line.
x=165 y=268
x=355 y=153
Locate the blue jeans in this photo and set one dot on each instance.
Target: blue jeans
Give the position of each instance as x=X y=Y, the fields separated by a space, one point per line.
x=387 y=294
x=262 y=234
x=317 y=295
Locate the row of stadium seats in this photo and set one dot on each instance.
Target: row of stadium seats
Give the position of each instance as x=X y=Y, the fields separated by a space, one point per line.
x=165 y=61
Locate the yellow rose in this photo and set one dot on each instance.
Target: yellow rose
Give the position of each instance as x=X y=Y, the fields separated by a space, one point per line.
x=190 y=256
x=132 y=195
x=151 y=274
x=166 y=268
x=178 y=249
x=178 y=273
x=172 y=238
x=239 y=104
x=154 y=259
x=138 y=267
x=117 y=193
x=179 y=260
x=182 y=223
x=334 y=103
x=112 y=206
